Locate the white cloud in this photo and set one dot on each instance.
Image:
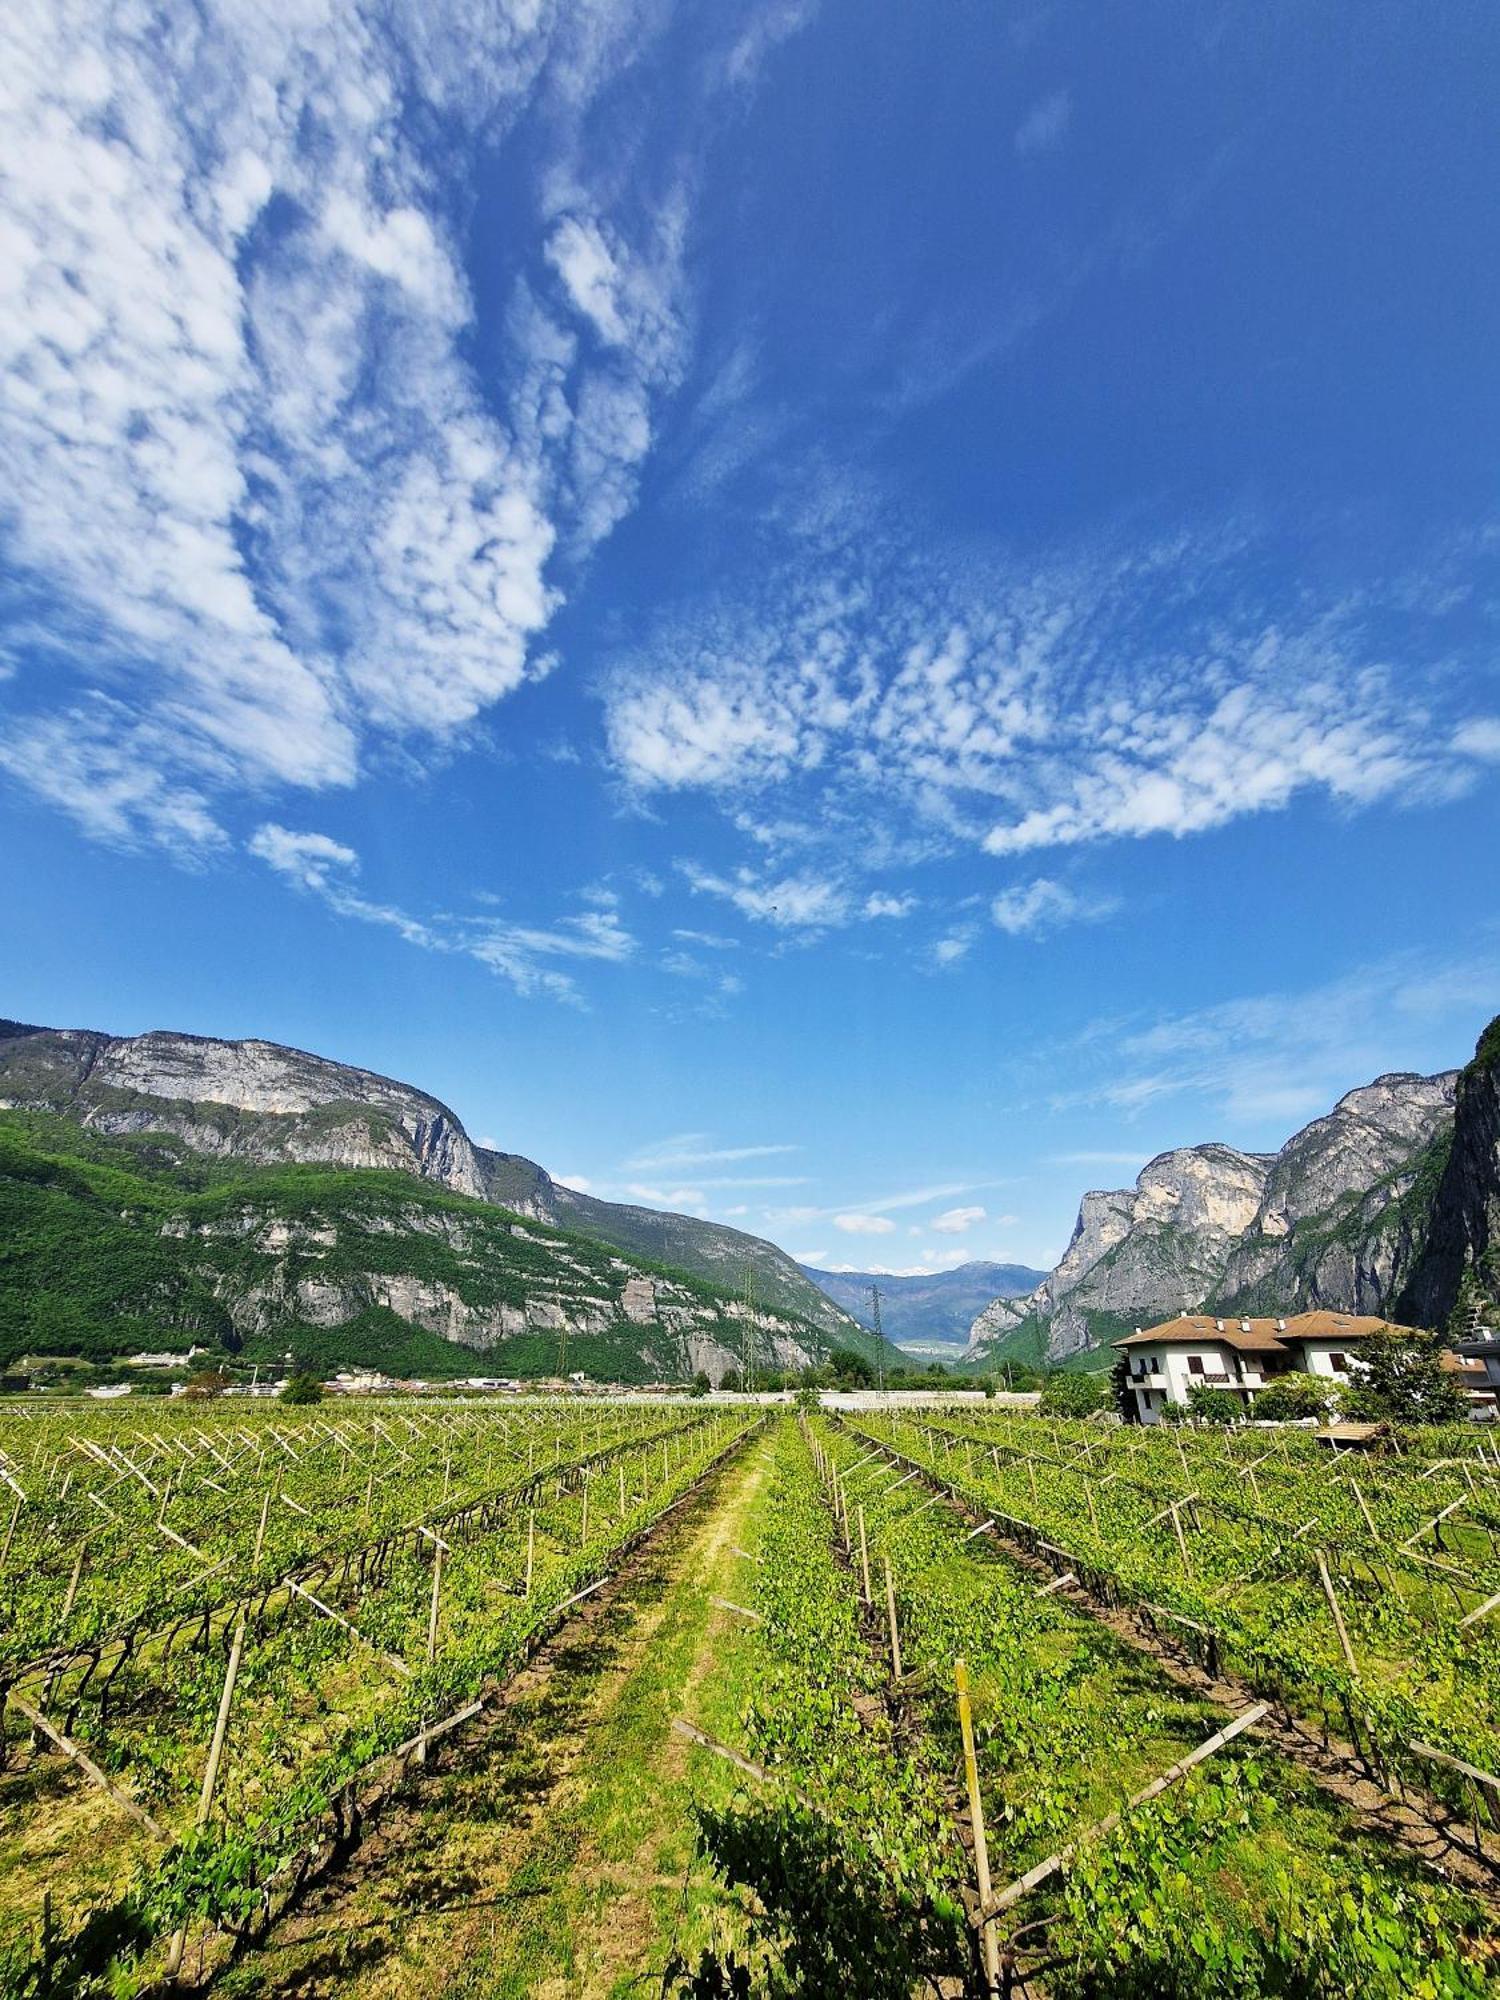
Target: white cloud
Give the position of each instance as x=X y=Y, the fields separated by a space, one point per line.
x=252 y=475
x=792 y=903
x=874 y=708
x=1045 y=125
x=693 y=1149
x=580 y=1183
x=955 y=947
x=864 y=1225
x=954 y=1221
x=881 y=905
x=321 y=866
x=1479 y=737
x=709 y=940
x=1041 y=906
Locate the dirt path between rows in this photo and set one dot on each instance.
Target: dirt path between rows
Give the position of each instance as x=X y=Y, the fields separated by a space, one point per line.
x=544 y=1854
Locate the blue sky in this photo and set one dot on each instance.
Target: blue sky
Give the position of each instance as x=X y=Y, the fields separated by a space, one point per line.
x=847 y=617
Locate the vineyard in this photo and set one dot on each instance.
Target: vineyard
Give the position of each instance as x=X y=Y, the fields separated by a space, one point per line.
x=703 y=1700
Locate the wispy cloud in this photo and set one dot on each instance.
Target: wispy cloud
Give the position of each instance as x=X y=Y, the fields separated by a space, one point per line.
x=1045 y=125
x=1035 y=908
x=520 y=953
x=1276 y=1058
x=694 y=1149
x=864 y=1225
x=955 y=1221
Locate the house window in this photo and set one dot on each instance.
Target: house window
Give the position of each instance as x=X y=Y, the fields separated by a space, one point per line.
x=1195 y=1364
x=1339 y=1363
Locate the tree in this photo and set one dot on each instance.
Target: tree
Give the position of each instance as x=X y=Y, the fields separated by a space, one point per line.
x=1402 y=1379
x=850 y=1368
x=730 y=1379
x=203 y=1382
x=701 y=1383
x=1070 y=1394
x=1120 y=1389
x=988 y=1385
x=301 y=1389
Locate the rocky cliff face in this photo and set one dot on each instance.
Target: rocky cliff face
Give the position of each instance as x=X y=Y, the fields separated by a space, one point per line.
x=1337 y=1218
x=264 y=1104
x=1464 y=1228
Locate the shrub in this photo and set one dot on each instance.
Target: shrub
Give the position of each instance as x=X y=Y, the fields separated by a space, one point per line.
x=302 y=1389
x=1212 y=1405
x=1291 y=1397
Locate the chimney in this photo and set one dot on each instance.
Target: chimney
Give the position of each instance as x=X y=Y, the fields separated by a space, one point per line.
x=1218 y=1326
x=1281 y=1326
x=1138 y=1331
x=1244 y=1326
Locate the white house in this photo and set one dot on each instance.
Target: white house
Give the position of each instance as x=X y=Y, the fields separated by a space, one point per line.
x=1242 y=1355
x=1482 y=1375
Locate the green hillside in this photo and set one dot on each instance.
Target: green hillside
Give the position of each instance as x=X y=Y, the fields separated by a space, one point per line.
x=109 y=1246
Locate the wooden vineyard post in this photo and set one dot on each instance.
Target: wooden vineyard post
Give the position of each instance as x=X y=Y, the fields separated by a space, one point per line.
x=260 y=1533
x=369 y=1491
x=1088 y=1494
x=890 y=1611
x=530 y=1548
x=10 y=1533
x=211 y=1772
x=987 y=1943
x=71 y=1597
x=432 y=1615
x=1338 y=1616
x=621 y=1471
x=864 y=1557
x=583 y=1537
x=1031 y=1468
x=1181 y=1538
x=1369 y=1522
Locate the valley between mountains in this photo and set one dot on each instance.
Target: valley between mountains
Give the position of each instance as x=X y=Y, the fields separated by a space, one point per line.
x=166 y=1191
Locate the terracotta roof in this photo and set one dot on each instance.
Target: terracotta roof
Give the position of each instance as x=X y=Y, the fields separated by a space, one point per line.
x=1204 y=1329
x=1338 y=1326
x=1258 y=1336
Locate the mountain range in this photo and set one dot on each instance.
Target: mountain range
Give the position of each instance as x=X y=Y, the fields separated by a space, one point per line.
x=163 y=1184
x=929 y=1312
x=1380 y=1206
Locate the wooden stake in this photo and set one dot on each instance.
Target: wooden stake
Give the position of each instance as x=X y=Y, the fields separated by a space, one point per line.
x=890 y=1612
x=10 y=1533
x=1181 y=1540
x=988 y=1943
x=1338 y=1616
x=1369 y=1522
x=211 y=1773
x=432 y=1616
x=72 y=1592
x=260 y=1533
x=864 y=1557
x=530 y=1548
x=86 y=1764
